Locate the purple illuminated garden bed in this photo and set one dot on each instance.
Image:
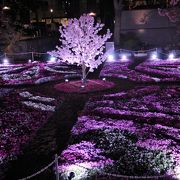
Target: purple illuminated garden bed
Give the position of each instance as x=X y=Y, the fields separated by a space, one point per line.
x=128 y=133
x=22 y=114
x=159 y=71
x=36 y=73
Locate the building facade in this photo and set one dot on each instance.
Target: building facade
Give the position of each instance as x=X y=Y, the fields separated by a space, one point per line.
x=60 y=10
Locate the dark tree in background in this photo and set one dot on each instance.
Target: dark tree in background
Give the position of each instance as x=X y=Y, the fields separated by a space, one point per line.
x=71 y=8
x=118 y=7
x=107 y=13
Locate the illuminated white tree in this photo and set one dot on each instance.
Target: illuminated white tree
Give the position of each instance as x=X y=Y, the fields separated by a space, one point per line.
x=82 y=44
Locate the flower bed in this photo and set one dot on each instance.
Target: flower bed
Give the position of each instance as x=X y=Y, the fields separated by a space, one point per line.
x=165 y=71
x=21 y=114
x=161 y=71
x=128 y=133
x=35 y=73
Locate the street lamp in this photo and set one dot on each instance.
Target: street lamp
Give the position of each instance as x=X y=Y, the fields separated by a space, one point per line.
x=51 y=11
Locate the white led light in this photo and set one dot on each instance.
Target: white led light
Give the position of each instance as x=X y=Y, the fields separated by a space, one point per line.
x=52 y=59
x=110 y=58
x=5 y=61
x=124 y=57
x=154 y=56
x=171 y=56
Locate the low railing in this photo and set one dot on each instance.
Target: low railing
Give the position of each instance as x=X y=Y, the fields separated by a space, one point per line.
x=98 y=175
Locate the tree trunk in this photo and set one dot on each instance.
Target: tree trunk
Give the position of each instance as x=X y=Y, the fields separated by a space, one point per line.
x=117 y=27
x=83 y=73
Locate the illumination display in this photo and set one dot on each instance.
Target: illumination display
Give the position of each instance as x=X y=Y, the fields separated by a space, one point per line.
x=110 y=58
x=154 y=56
x=5 y=61
x=171 y=56
x=52 y=59
x=124 y=58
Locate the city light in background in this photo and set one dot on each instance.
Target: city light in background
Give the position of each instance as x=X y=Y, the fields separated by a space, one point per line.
x=92 y=14
x=6 y=8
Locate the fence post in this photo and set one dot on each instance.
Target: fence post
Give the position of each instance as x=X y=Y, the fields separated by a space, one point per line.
x=56 y=167
x=32 y=56
x=5 y=55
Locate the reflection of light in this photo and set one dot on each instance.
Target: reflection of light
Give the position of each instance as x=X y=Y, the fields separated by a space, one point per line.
x=29 y=61
x=5 y=61
x=82 y=86
x=171 y=56
x=92 y=14
x=104 y=79
x=110 y=58
x=51 y=10
x=52 y=59
x=6 y=8
x=66 y=80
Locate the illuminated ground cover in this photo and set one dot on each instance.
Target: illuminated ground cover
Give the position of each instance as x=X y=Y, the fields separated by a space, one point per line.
x=149 y=71
x=36 y=73
x=128 y=133
x=22 y=114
